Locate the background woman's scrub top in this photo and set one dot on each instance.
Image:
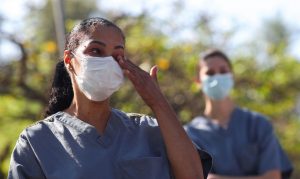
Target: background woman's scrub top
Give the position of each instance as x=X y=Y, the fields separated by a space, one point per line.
x=63 y=146
x=248 y=146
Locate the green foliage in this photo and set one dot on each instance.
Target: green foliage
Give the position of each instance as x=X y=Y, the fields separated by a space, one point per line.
x=268 y=87
x=16 y=113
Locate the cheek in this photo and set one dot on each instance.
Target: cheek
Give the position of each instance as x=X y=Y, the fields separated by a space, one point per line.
x=76 y=66
x=205 y=75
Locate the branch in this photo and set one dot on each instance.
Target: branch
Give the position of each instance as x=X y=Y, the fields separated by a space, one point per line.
x=29 y=92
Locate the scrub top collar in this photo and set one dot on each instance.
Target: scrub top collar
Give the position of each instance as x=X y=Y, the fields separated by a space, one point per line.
x=234 y=116
x=117 y=120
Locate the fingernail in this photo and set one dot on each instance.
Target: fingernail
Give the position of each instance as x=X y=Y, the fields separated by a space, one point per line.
x=156 y=68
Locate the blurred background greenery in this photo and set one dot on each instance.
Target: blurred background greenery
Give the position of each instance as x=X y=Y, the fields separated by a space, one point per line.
x=267 y=76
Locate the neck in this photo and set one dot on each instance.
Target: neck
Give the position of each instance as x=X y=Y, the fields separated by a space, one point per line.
x=92 y=112
x=219 y=111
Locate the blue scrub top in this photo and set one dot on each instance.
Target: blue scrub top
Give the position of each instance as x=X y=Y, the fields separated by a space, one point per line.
x=248 y=146
x=63 y=146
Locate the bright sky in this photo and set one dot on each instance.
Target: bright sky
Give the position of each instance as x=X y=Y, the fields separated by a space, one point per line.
x=247 y=14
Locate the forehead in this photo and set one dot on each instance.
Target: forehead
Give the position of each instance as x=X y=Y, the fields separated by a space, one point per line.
x=109 y=35
x=214 y=62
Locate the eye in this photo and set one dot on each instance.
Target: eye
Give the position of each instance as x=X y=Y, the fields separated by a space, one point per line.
x=224 y=71
x=210 y=73
x=95 y=52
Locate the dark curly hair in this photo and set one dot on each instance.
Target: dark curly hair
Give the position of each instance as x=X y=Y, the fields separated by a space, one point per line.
x=61 y=93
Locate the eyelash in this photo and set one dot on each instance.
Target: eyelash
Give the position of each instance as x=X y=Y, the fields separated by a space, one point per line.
x=211 y=73
x=95 y=50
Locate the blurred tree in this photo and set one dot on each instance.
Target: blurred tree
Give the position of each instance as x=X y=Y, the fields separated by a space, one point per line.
x=270 y=88
x=276 y=35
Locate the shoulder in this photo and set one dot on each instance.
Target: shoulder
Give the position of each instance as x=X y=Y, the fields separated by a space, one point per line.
x=136 y=119
x=198 y=129
x=39 y=129
x=199 y=123
x=141 y=125
x=252 y=117
x=257 y=123
x=31 y=133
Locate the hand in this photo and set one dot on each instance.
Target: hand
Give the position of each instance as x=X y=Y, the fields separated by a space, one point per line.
x=144 y=83
x=184 y=159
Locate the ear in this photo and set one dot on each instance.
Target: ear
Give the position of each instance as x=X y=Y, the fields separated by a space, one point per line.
x=67 y=60
x=197 y=81
x=67 y=57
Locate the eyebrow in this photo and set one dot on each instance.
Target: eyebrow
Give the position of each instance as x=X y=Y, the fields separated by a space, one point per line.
x=104 y=45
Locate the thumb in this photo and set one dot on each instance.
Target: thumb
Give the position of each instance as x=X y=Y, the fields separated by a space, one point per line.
x=153 y=73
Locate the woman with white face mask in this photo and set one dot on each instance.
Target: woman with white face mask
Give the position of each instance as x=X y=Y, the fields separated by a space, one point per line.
x=241 y=142
x=83 y=137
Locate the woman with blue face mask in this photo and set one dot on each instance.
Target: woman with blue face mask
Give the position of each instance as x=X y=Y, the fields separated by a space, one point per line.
x=84 y=137
x=241 y=142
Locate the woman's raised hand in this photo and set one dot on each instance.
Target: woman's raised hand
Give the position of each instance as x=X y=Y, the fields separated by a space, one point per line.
x=145 y=83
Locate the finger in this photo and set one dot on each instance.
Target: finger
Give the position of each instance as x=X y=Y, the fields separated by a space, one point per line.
x=126 y=64
x=136 y=75
x=130 y=70
x=153 y=73
x=136 y=80
x=121 y=62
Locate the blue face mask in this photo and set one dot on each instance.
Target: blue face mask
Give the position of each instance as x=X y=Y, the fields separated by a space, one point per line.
x=218 y=86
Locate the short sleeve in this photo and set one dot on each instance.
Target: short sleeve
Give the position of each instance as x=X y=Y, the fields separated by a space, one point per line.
x=269 y=149
x=23 y=163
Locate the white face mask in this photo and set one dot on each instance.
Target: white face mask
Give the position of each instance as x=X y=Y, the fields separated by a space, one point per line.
x=99 y=77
